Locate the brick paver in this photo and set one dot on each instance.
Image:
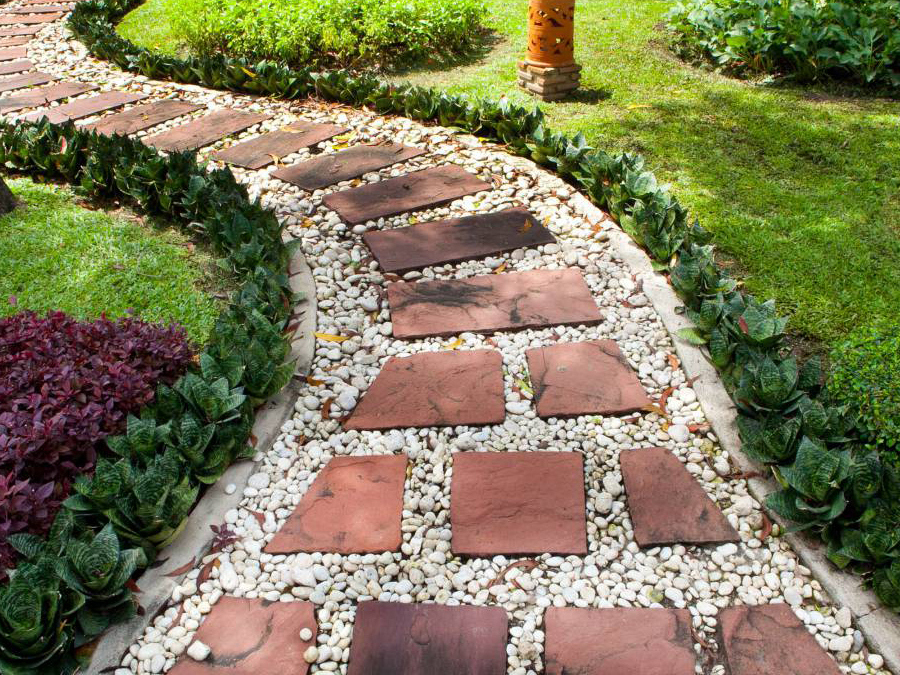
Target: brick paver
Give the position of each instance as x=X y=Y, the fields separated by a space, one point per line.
x=332 y=168
x=85 y=107
x=273 y=146
x=13 y=67
x=204 y=130
x=27 y=80
x=35 y=98
x=143 y=116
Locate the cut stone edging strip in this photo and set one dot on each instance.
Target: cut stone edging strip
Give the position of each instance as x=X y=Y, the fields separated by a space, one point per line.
x=194 y=542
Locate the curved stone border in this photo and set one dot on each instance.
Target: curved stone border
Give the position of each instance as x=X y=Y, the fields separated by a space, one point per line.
x=155 y=586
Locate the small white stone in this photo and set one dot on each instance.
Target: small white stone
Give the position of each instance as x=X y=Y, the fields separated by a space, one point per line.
x=198 y=651
x=259 y=481
x=679 y=433
x=311 y=655
x=306 y=634
x=841 y=644
x=230 y=489
x=844 y=617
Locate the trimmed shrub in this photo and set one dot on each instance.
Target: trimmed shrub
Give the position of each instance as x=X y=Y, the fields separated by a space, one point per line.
x=857 y=40
x=369 y=33
x=866 y=377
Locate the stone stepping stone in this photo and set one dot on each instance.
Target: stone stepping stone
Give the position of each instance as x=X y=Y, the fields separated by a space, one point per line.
x=49 y=2
x=770 y=639
x=667 y=505
x=205 y=130
x=22 y=81
x=142 y=117
x=329 y=169
x=271 y=147
x=412 y=192
x=13 y=53
x=15 y=42
x=252 y=637
x=492 y=302
x=434 y=389
x=584 y=378
x=14 y=67
x=39 y=97
x=393 y=638
x=20 y=30
x=28 y=19
x=38 y=9
x=355 y=505
x=518 y=503
x=618 y=641
x=455 y=239
x=85 y=107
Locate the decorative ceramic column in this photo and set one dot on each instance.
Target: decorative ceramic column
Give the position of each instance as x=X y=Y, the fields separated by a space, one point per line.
x=550 y=71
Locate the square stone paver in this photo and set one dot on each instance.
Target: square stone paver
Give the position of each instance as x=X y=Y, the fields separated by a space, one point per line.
x=434 y=389
x=334 y=167
x=492 y=302
x=392 y=638
x=252 y=637
x=583 y=378
x=354 y=506
x=456 y=239
x=667 y=505
x=272 y=146
x=618 y=641
x=518 y=503
x=770 y=639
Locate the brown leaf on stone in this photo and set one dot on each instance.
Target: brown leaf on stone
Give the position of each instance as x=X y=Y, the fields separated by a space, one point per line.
x=313 y=382
x=500 y=269
x=181 y=570
x=326 y=408
x=665 y=397
x=132 y=586
x=207 y=570
x=745 y=475
x=766 y=530
x=673 y=361
x=526 y=226
x=694 y=428
x=526 y=565
x=253 y=440
x=260 y=517
x=390 y=276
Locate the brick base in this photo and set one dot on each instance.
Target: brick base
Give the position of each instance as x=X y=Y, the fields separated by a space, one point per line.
x=549 y=83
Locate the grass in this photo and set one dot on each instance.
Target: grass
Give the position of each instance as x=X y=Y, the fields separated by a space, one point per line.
x=57 y=255
x=801 y=187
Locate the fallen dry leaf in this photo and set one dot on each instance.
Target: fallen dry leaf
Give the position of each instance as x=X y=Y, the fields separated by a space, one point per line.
x=501 y=268
x=766 y=530
x=673 y=361
x=310 y=380
x=526 y=226
x=326 y=408
x=187 y=567
x=453 y=345
x=332 y=338
x=207 y=570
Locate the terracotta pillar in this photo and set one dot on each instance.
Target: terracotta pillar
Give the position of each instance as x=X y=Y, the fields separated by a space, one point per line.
x=549 y=70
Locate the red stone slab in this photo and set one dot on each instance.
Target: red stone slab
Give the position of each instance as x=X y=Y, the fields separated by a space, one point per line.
x=433 y=389
x=28 y=80
x=584 y=378
x=354 y=506
x=770 y=639
x=618 y=641
x=455 y=239
x=21 y=30
x=27 y=19
x=15 y=42
x=13 y=67
x=142 y=117
x=252 y=637
x=491 y=302
x=414 y=191
x=518 y=503
x=36 y=98
x=47 y=2
x=13 y=53
x=666 y=504
x=333 y=168
x=204 y=130
x=271 y=147
x=85 y=107
x=392 y=638
x=37 y=9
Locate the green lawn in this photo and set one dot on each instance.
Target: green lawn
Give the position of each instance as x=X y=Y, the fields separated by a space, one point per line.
x=56 y=255
x=801 y=188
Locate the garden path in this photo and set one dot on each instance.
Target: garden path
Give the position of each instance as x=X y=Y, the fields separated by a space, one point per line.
x=603 y=523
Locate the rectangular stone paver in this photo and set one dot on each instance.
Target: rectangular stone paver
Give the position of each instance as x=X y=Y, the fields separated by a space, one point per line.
x=15 y=41
x=204 y=130
x=13 y=67
x=492 y=302
x=85 y=107
x=447 y=388
x=667 y=505
x=252 y=637
x=618 y=641
x=27 y=19
x=13 y=53
x=36 y=9
x=456 y=239
x=518 y=503
x=271 y=147
x=20 y=31
x=142 y=117
x=27 y=80
x=35 y=98
x=767 y=639
x=392 y=638
x=332 y=168
x=354 y=506
x=412 y=192
x=584 y=378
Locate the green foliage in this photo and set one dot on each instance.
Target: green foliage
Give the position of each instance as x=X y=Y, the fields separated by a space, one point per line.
x=810 y=40
x=865 y=376
x=333 y=32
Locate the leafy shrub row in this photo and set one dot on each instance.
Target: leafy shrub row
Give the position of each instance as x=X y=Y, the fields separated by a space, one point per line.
x=341 y=32
x=857 y=40
x=74 y=582
x=832 y=482
x=64 y=387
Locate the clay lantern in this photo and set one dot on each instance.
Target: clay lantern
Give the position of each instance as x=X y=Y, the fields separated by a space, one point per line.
x=549 y=70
